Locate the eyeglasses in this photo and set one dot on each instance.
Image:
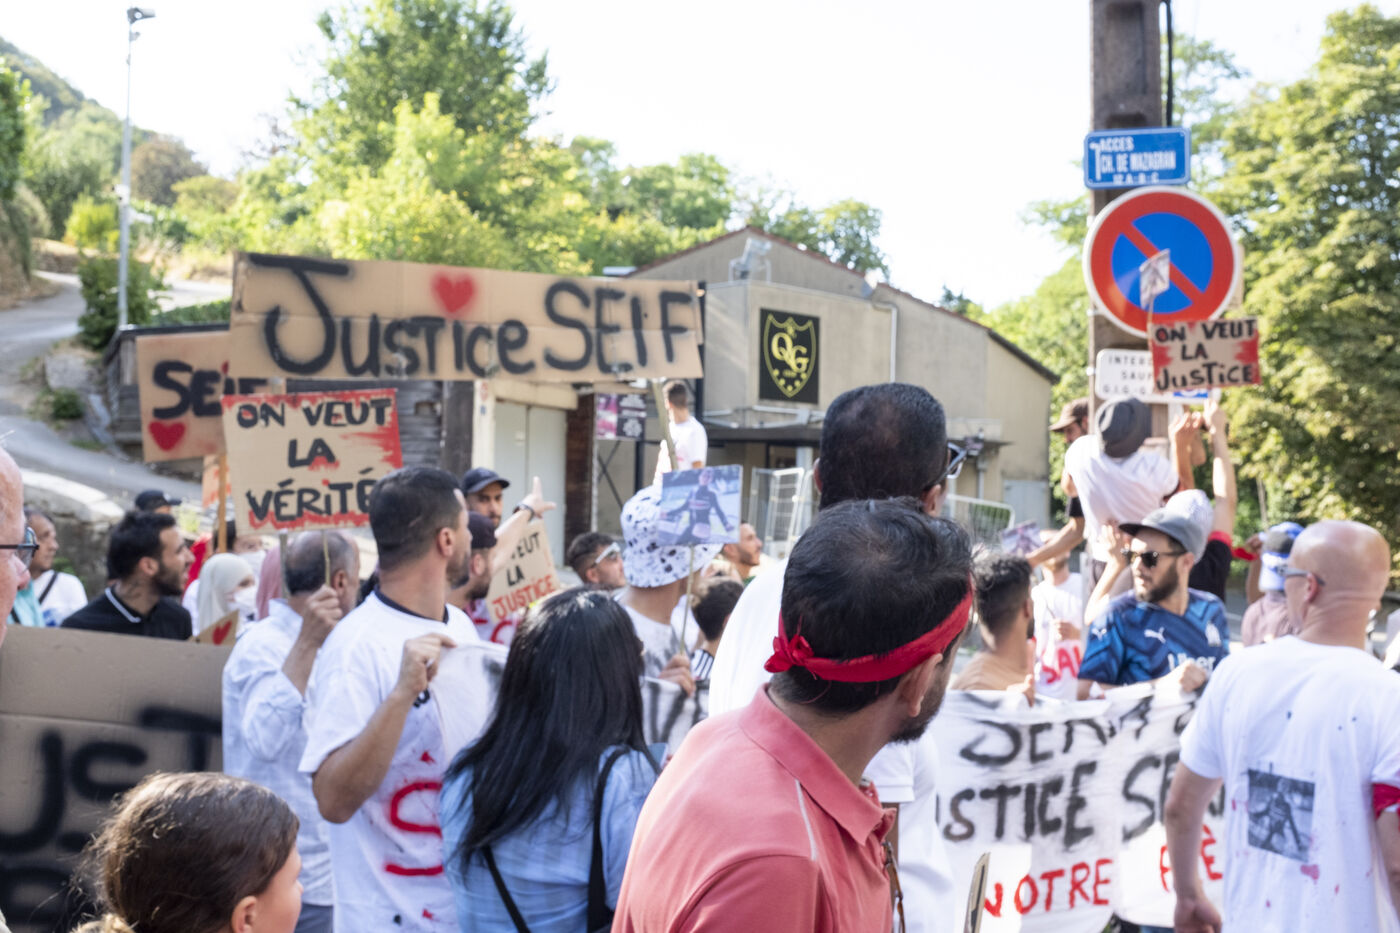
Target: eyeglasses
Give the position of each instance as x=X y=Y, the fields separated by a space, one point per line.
x=1149 y=558
x=612 y=550
x=1288 y=572
x=25 y=551
x=956 y=456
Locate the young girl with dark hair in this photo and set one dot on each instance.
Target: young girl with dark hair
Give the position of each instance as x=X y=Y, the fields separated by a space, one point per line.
x=197 y=853
x=538 y=814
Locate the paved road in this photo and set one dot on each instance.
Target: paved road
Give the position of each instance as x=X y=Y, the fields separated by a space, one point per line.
x=26 y=332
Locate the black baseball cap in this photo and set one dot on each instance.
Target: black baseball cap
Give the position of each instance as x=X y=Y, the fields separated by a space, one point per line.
x=152 y=499
x=478 y=478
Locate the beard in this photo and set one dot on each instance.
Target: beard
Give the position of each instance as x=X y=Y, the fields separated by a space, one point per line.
x=913 y=728
x=1164 y=587
x=170 y=581
x=458 y=568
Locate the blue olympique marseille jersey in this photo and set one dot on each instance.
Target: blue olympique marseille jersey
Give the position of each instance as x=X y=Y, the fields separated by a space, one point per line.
x=1133 y=641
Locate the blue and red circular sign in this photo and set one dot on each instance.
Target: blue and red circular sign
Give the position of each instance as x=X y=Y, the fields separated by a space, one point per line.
x=1205 y=269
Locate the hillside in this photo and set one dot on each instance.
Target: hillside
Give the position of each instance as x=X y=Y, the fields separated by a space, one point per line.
x=61 y=96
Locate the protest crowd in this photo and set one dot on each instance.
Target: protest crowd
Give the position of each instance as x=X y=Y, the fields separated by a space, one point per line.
x=399 y=757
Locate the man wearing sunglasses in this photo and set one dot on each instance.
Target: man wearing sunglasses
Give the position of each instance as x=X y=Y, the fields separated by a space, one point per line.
x=597 y=559
x=17 y=547
x=1303 y=734
x=17 y=543
x=1162 y=627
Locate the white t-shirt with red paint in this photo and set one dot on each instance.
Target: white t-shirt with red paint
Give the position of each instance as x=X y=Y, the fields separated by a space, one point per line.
x=387 y=858
x=1057 y=661
x=1300 y=733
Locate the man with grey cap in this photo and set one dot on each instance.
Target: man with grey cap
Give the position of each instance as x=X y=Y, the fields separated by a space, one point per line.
x=1115 y=479
x=1161 y=628
x=1268 y=617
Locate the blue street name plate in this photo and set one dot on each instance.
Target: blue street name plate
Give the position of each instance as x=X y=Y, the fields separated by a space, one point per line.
x=1132 y=158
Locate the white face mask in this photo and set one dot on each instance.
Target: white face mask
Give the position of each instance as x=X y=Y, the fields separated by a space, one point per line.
x=254 y=560
x=246 y=600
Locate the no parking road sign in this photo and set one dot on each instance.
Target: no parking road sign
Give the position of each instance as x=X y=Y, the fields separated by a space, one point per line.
x=1205 y=269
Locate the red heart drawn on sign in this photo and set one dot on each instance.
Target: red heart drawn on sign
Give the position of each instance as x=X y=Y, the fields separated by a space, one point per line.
x=221 y=631
x=453 y=294
x=167 y=434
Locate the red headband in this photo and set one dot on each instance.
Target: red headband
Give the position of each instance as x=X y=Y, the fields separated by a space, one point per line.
x=796 y=652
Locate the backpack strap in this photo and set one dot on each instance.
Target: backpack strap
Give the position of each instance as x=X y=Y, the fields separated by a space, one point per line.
x=599 y=914
x=515 y=915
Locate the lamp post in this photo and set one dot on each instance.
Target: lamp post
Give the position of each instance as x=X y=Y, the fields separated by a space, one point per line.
x=133 y=15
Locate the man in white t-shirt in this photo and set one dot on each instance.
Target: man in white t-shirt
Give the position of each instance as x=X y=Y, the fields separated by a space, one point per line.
x=1113 y=476
x=264 y=699
x=656 y=575
x=687 y=433
x=1305 y=734
x=1058 y=601
x=877 y=441
x=375 y=746
x=59 y=594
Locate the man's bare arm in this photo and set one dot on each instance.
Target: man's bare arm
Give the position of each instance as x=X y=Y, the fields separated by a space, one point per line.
x=512 y=529
x=1388 y=831
x=1186 y=807
x=353 y=772
x=1063 y=542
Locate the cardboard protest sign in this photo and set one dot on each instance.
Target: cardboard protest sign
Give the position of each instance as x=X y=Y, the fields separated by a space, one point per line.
x=526 y=579
x=222 y=632
x=1214 y=354
x=84 y=716
x=310 y=460
x=1068 y=799
x=330 y=319
x=694 y=502
x=180 y=379
x=209 y=479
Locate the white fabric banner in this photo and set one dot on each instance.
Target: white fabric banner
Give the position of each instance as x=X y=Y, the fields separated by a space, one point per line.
x=469 y=677
x=1068 y=799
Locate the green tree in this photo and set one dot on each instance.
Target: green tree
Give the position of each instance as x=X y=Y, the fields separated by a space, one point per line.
x=394 y=51
x=157 y=165
x=77 y=154
x=14 y=101
x=1313 y=181
x=844 y=232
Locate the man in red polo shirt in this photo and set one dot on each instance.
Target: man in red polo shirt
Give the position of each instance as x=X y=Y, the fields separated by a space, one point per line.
x=875 y=600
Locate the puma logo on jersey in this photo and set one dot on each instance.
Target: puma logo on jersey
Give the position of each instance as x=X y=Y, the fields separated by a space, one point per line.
x=1160 y=634
x=1212 y=635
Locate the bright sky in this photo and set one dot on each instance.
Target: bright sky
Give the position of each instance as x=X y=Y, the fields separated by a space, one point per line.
x=949 y=116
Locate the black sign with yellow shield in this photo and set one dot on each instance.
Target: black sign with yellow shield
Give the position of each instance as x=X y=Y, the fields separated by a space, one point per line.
x=787 y=369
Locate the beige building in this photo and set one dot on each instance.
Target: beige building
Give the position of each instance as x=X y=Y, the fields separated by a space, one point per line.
x=770 y=306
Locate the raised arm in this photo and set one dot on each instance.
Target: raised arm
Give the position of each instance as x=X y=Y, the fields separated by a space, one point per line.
x=511 y=530
x=353 y=772
x=1223 y=470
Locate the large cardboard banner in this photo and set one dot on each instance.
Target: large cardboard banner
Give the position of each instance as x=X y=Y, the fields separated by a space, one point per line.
x=180 y=379
x=310 y=460
x=526 y=579
x=83 y=717
x=331 y=319
x=1068 y=799
x=1215 y=354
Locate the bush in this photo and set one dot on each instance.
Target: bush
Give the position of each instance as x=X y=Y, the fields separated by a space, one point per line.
x=98 y=277
x=207 y=312
x=65 y=405
x=92 y=224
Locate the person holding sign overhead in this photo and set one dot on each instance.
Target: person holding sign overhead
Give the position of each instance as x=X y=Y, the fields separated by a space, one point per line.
x=374 y=747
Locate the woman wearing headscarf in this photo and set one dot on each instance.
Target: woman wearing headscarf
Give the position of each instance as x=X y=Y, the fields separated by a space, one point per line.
x=226 y=585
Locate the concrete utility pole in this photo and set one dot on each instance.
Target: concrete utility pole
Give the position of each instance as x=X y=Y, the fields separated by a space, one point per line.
x=133 y=16
x=1125 y=70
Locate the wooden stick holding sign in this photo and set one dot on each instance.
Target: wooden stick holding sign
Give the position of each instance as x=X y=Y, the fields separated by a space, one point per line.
x=221 y=542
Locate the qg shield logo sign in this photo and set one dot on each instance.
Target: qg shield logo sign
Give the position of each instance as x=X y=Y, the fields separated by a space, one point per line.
x=790 y=345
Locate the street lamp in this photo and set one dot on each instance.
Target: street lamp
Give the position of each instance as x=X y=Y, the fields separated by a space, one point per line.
x=133 y=16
